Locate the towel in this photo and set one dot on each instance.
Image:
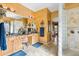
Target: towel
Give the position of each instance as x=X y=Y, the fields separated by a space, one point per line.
x=3 y=45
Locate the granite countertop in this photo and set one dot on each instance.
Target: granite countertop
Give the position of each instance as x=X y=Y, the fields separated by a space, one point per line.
x=19 y=34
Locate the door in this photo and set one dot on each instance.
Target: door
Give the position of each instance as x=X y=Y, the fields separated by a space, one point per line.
x=55 y=32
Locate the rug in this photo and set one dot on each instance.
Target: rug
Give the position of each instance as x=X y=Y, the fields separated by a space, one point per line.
x=37 y=45
x=19 y=53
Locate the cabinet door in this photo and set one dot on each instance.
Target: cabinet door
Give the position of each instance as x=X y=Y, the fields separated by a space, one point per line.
x=1 y=53
x=34 y=38
x=10 y=48
x=30 y=39
x=19 y=40
x=17 y=43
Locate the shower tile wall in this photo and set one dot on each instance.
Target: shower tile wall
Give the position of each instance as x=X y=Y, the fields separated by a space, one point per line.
x=73 y=28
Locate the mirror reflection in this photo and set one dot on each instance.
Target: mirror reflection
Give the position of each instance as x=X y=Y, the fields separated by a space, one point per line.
x=18 y=25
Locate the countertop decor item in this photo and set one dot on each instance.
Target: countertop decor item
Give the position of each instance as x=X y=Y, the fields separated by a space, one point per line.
x=21 y=31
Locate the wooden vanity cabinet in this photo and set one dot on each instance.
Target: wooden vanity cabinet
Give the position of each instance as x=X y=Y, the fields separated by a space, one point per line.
x=1 y=53
x=14 y=43
x=17 y=43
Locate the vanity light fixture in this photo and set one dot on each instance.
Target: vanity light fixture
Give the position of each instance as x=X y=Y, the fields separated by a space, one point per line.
x=10 y=9
x=1 y=6
x=6 y=8
x=2 y=11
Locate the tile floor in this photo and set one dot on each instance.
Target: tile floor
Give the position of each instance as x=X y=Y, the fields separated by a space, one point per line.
x=44 y=50
x=69 y=52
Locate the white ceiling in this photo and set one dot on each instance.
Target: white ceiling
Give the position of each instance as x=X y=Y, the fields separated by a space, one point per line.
x=37 y=6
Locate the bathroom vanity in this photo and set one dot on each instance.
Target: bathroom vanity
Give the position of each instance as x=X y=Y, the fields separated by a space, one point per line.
x=14 y=42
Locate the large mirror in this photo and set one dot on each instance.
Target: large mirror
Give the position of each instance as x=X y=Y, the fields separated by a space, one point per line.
x=13 y=27
x=15 y=23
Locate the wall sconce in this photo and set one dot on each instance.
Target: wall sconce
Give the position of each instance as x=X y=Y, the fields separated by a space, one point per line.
x=42 y=23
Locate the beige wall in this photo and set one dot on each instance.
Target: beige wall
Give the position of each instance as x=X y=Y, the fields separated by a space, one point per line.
x=42 y=15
